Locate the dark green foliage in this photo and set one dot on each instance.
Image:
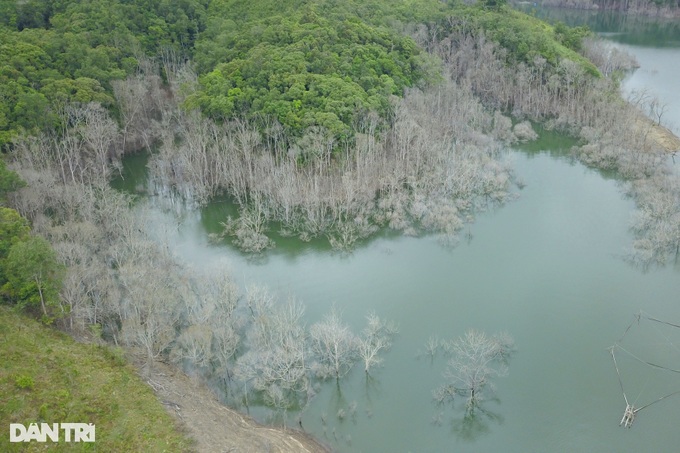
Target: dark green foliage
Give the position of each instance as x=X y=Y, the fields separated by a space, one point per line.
x=305 y=63
x=494 y=4
x=571 y=37
x=375 y=12
x=524 y=37
x=13 y=229
x=303 y=69
x=53 y=52
x=33 y=278
x=115 y=23
x=9 y=182
x=327 y=63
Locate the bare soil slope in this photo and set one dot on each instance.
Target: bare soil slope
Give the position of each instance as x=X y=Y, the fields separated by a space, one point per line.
x=658 y=136
x=215 y=427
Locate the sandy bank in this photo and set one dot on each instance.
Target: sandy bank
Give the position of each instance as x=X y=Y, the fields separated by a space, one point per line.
x=656 y=136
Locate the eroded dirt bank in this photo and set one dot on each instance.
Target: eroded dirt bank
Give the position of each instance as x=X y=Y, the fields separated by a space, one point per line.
x=215 y=427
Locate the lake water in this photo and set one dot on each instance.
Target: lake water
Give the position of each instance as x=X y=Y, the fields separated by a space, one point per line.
x=547 y=268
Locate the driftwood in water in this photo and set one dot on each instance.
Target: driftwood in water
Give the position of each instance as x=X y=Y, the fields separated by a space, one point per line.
x=628 y=416
x=631 y=411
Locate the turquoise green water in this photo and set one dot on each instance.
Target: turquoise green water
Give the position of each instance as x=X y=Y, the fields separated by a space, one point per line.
x=623 y=28
x=547 y=268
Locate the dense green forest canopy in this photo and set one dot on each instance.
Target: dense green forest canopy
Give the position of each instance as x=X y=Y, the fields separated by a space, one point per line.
x=524 y=37
x=305 y=70
x=56 y=52
x=305 y=63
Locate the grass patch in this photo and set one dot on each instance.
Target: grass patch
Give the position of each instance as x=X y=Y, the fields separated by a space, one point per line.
x=46 y=377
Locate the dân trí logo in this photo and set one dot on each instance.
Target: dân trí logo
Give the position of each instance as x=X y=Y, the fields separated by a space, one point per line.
x=72 y=432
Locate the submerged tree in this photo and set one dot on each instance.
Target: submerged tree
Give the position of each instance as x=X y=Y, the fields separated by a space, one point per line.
x=656 y=223
x=376 y=337
x=210 y=335
x=150 y=308
x=334 y=345
x=474 y=359
x=275 y=364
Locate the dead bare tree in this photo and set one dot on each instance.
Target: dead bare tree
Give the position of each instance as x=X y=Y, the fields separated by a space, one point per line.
x=376 y=338
x=149 y=309
x=275 y=364
x=211 y=338
x=607 y=57
x=100 y=136
x=426 y=165
x=657 y=109
x=334 y=345
x=194 y=344
x=474 y=359
x=249 y=228
x=656 y=222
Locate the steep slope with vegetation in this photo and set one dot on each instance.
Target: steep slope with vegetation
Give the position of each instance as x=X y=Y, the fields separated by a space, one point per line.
x=328 y=64
x=302 y=97
x=304 y=70
x=53 y=53
x=303 y=63
x=319 y=118
x=46 y=377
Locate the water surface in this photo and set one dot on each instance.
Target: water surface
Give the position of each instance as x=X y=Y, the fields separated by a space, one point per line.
x=547 y=268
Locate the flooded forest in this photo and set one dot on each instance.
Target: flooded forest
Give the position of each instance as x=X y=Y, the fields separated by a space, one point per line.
x=410 y=226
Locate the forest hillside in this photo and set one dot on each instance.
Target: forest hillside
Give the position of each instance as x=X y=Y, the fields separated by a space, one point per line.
x=316 y=119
